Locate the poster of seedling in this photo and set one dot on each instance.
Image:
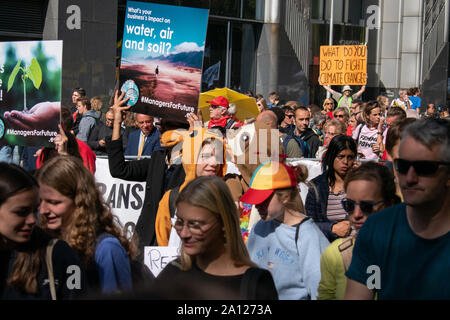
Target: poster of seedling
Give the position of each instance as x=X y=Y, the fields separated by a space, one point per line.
x=30 y=92
x=162 y=58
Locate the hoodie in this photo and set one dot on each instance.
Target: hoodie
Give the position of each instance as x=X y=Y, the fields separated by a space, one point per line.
x=87 y=123
x=190 y=149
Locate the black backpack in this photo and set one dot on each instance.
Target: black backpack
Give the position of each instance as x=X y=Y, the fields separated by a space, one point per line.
x=141 y=275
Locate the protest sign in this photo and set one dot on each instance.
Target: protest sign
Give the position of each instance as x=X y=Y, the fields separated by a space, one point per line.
x=30 y=92
x=162 y=58
x=343 y=65
x=125 y=198
x=157 y=258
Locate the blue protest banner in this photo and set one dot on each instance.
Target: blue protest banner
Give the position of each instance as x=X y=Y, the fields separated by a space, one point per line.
x=162 y=58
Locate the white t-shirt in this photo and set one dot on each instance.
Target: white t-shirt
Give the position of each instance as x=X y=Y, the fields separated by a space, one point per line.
x=367 y=138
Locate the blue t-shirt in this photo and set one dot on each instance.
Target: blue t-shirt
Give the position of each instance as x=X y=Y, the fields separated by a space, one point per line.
x=113 y=266
x=410 y=267
x=415 y=102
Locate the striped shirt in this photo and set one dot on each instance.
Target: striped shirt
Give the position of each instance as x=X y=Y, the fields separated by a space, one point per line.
x=335 y=211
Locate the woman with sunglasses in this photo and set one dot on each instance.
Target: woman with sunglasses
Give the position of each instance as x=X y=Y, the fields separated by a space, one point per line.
x=370 y=136
x=323 y=201
x=214 y=262
x=331 y=129
x=370 y=188
x=261 y=103
x=328 y=107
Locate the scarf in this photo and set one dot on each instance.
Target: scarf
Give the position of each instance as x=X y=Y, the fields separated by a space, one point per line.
x=222 y=122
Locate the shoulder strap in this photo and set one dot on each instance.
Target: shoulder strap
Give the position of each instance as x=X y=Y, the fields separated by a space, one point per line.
x=359 y=133
x=172 y=198
x=49 y=262
x=297 y=230
x=249 y=283
x=301 y=143
x=304 y=146
x=346 y=250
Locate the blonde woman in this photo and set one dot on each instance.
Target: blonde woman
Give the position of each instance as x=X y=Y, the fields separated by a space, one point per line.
x=214 y=262
x=328 y=107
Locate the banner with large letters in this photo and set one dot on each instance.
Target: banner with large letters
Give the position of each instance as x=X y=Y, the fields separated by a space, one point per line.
x=125 y=198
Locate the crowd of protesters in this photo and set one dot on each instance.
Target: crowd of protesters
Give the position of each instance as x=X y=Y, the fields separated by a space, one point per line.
x=374 y=224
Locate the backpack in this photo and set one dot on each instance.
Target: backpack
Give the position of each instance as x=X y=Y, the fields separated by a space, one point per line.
x=141 y=276
x=301 y=143
x=346 y=250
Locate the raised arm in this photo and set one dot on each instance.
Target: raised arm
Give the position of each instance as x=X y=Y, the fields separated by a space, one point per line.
x=360 y=92
x=327 y=87
x=118 y=109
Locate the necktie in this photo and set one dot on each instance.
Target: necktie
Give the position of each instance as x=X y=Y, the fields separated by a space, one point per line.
x=141 y=146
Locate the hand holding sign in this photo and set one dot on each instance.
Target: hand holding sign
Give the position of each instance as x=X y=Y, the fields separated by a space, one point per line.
x=119 y=101
x=61 y=142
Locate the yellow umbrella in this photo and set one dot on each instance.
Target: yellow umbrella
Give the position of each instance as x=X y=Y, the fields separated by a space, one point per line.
x=246 y=106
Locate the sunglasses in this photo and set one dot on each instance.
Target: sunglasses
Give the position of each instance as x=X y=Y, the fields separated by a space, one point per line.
x=365 y=206
x=422 y=168
x=290 y=116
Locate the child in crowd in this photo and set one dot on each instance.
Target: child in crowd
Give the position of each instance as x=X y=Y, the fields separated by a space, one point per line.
x=285 y=241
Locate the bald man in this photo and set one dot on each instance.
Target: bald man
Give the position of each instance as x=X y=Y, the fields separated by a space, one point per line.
x=268 y=118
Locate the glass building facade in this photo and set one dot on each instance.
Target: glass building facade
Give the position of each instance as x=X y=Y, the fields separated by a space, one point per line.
x=260 y=45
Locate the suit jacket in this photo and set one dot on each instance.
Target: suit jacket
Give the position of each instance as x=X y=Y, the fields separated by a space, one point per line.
x=151 y=143
x=155 y=172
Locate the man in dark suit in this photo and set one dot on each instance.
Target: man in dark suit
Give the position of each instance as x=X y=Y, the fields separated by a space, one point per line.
x=159 y=171
x=144 y=141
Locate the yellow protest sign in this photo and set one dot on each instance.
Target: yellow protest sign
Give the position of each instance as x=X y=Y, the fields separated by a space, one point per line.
x=343 y=65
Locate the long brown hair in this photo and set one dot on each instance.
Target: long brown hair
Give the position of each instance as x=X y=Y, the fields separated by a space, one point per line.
x=295 y=202
x=23 y=277
x=91 y=215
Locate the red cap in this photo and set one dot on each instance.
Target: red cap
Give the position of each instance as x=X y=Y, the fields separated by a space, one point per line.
x=219 y=101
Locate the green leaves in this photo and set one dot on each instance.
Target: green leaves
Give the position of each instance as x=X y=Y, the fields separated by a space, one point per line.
x=32 y=71
x=13 y=75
